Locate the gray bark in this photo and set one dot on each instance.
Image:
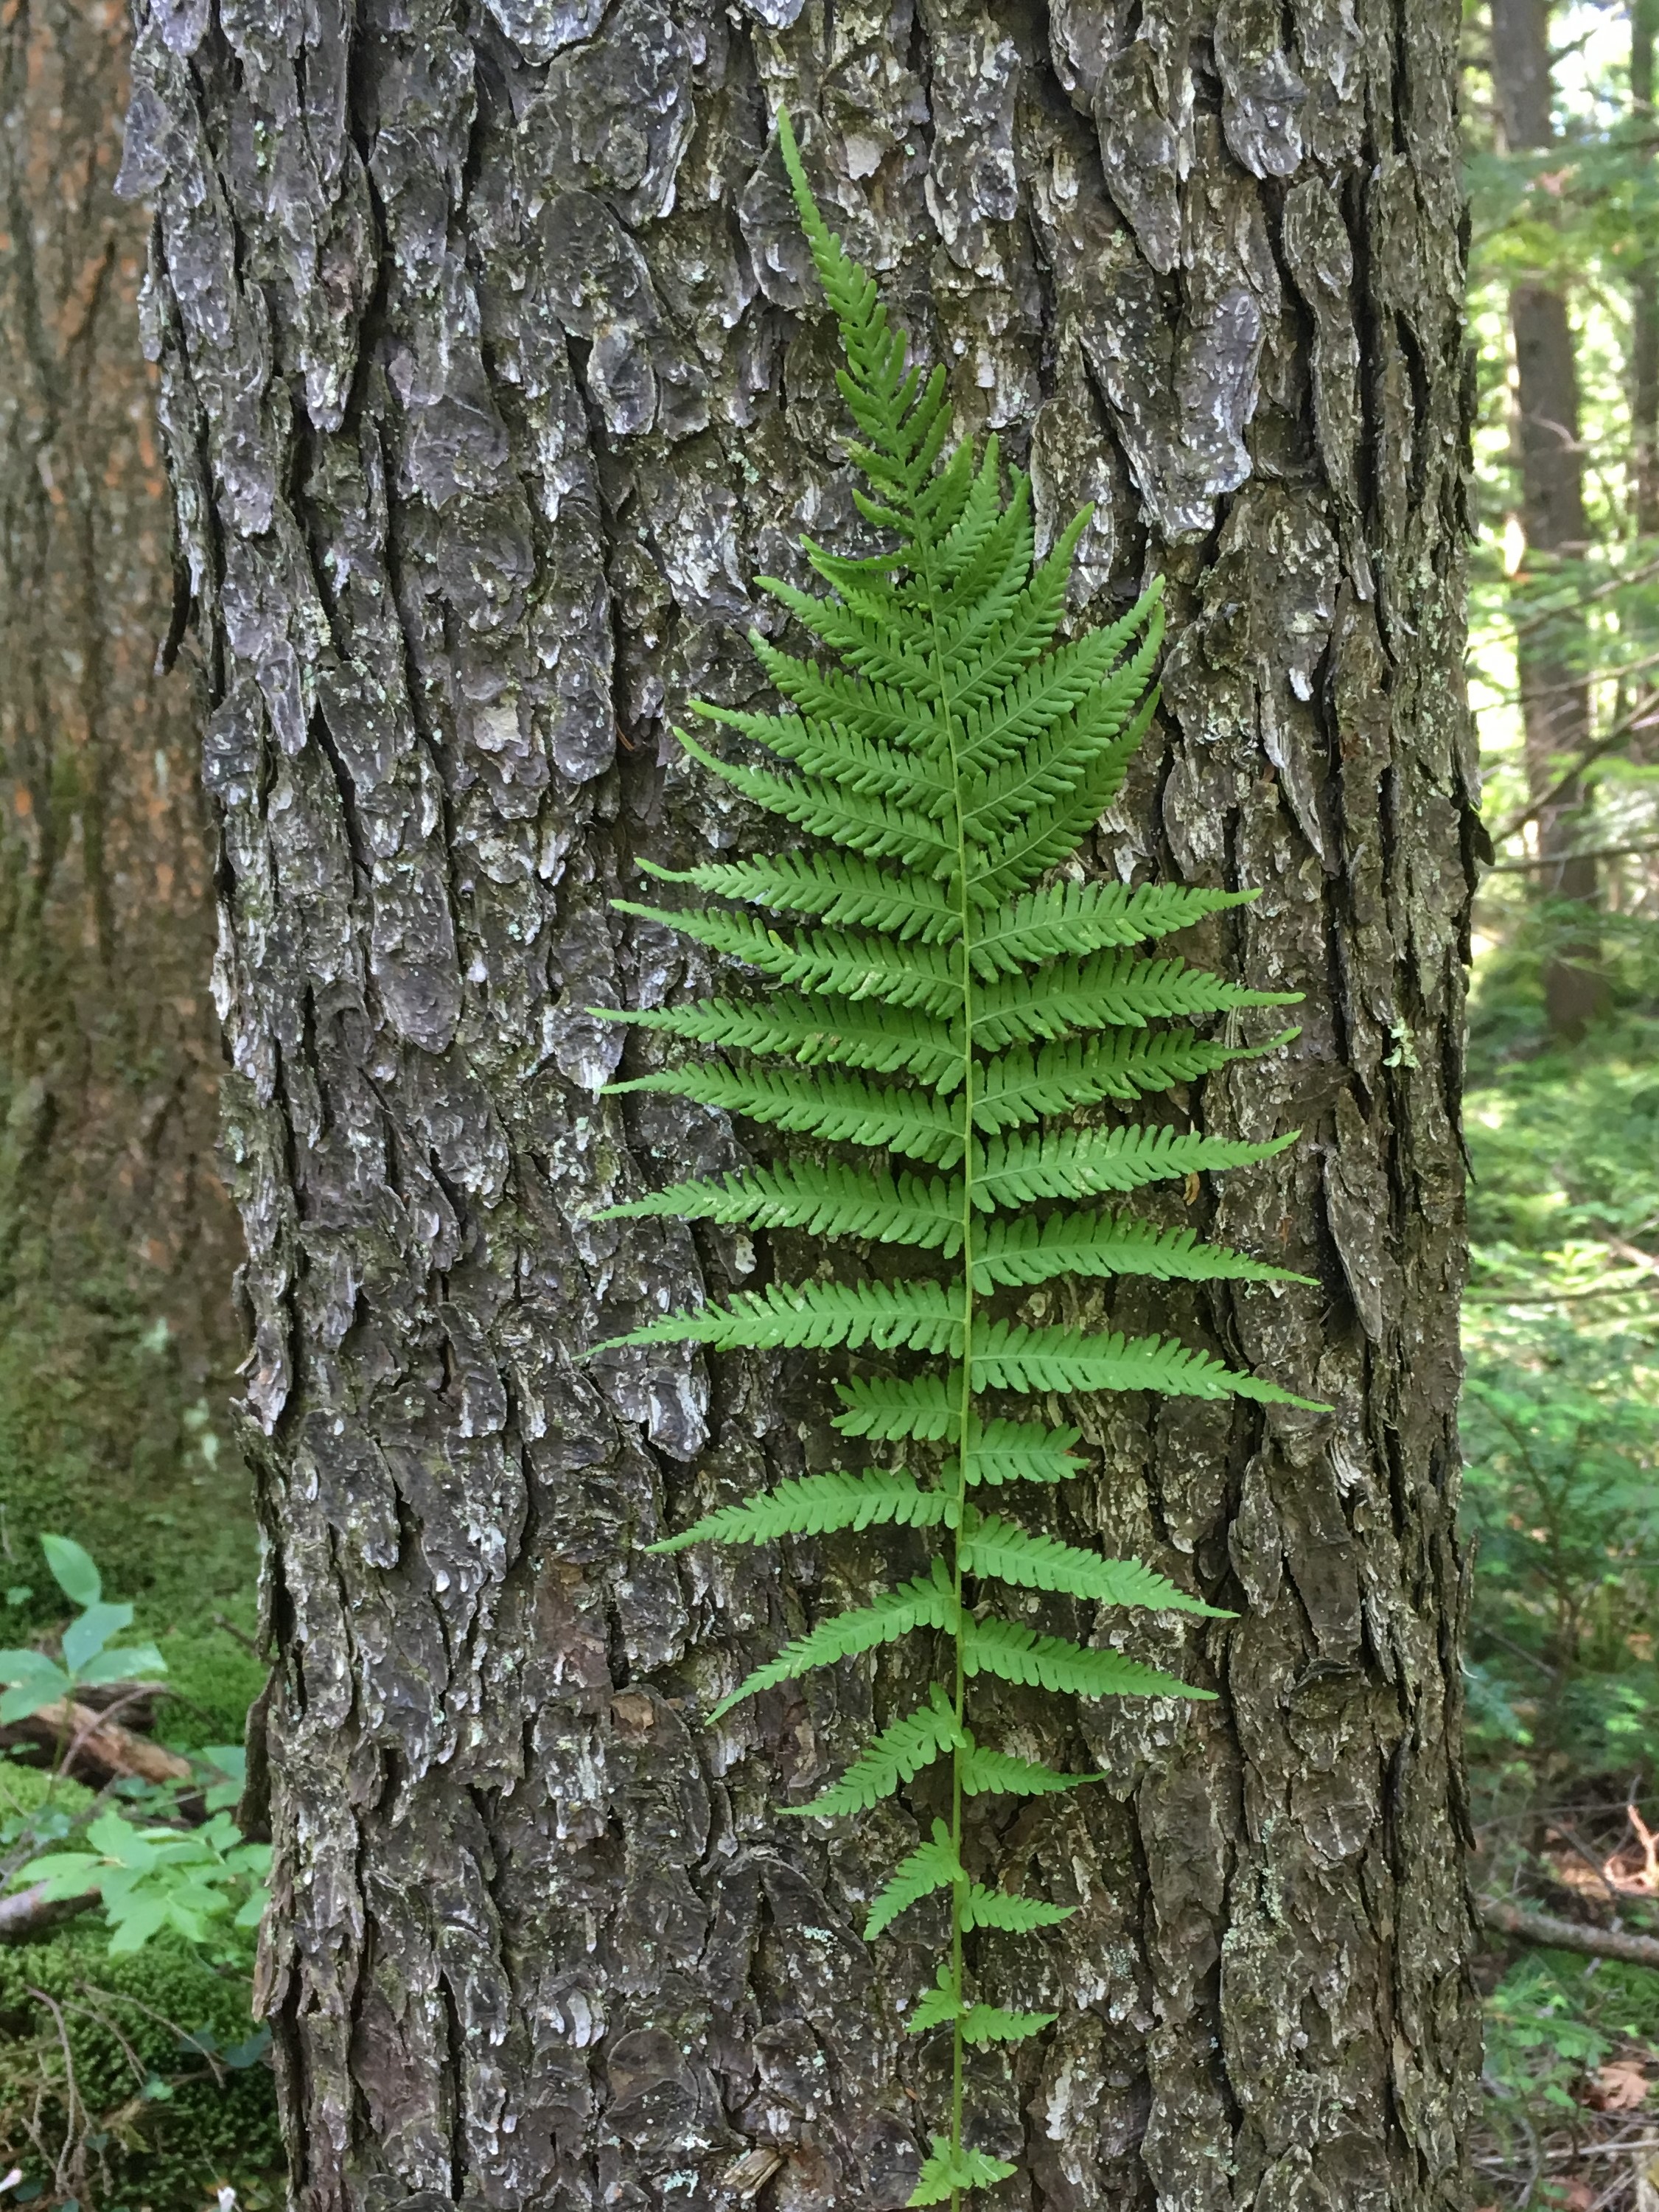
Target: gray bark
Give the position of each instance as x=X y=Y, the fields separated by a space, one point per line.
x=491 y=373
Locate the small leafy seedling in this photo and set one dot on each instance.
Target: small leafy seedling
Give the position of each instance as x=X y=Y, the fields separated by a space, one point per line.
x=88 y=1661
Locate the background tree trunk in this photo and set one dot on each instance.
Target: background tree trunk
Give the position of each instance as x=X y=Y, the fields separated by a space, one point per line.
x=117 y=1240
x=491 y=372
x=1644 y=286
x=1551 y=651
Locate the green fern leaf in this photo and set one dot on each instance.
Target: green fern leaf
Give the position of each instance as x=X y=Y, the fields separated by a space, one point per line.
x=1017 y=1451
x=930 y=1866
x=887 y=1407
x=995 y=1908
x=1021 y=1086
x=925 y=1601
x=854 y=966
x=982 y=2024
x=939 y=757
x=824 y=1197
x=837 y=887
x=994 y=1547
x=816 y=1317
x=867 y=826
x=1051 y=833
x=815 y=1505
x=1111 y=990
x=946 y=2173
x=896 y=1756
x=812 y=1031
x=1082 y=1162
x=1065 y=919
x=843 y=1109
x=1009 y=1357
x=827 y=752
x=981 y=1772
x=1017 y=1653
x=1025 y=1250
x=936 y=2006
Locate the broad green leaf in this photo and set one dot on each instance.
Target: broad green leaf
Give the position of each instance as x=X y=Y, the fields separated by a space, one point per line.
x=89 y=1631
x=72 y=1569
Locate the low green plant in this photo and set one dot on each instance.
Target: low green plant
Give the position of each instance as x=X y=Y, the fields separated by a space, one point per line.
x=88 y=1659
x=940 y=763
x=207 y=1883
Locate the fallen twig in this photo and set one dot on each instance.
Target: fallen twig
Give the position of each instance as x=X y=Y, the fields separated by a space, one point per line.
x=1557 y=1934
x=95 y=1742
x=32 y=1911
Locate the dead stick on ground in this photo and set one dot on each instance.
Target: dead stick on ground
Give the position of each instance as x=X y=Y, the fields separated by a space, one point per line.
x=104 y=1743
x=1557 y=1934
x=31 y=1911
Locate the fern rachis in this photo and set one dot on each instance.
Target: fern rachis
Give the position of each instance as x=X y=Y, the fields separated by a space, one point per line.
x=939 y=1003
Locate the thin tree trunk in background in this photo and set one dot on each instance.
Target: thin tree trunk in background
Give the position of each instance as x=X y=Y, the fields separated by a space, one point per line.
x=1644 y=288
x=1552 y=655
x=492 y=371
x=116 y=1241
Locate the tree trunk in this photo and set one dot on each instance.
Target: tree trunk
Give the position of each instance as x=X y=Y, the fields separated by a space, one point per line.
x=1551 y=647
x=117 y=1240
x=491 y=373
x=1644 y=288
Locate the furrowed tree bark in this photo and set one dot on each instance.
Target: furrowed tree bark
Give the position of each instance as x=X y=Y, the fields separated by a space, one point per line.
x=1552 y=652
x=492 y=370
x=117 y=1240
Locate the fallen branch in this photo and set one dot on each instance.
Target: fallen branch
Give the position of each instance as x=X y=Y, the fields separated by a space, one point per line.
x=31 y=1911
x=1557 y=1934
x=91 y=1740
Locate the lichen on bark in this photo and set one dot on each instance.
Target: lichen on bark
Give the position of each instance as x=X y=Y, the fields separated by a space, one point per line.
x=491 y=369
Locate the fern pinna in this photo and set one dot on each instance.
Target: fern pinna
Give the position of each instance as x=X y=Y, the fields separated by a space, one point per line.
x=942 y=757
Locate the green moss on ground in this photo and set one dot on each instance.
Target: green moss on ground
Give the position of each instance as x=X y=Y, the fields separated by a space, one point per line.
x=126 y=2023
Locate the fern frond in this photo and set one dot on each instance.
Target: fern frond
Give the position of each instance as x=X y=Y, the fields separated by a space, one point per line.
x=1112 y=990
x=1068 y=918
x=867 y=710
x=1051 y=833
x=996 y=1908
x=841 y=1107
x=812 y=1031
x=1083 y=1163
x=815 y=1505
x=923 y=1602
x=985 y=649
x=1026 y=1250
x=992 y=1546
x=867 y=826
x=842 y=888
x=945 y=754
x=816 y=1317
x=888 y=1407
x=825 y=750
x=1009 y=1357
x=898 y=1756
x=852 y=965
x=1020 y=1086
x=1016 y=1654
x=824 y=1197
x=981 y=1772
x=982 y=2024
x=945 y=2171
x=1016 y=1451
x=930 y=1866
